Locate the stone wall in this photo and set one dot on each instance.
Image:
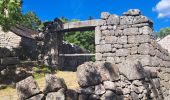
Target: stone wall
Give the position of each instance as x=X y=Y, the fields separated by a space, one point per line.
x=49 y=42
x=129 y=38
x=9 y=39
x=71 y=63
x=13 y=45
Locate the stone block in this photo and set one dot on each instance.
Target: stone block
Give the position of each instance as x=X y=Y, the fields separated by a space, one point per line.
x=144 y=38
x=144 y=59
x=132 y=12
x=99 y=89
x=97 y=35
x=111 y=39
x=122 y=40
x=122 y=52
x=126 y=20
x=146 y=49
x=142 y=19
x=131 y=31
x=108 y=71
x=113 y=20
x=107 y=47
x=134 y=50
x=118 y=32
x=53 y=83
x=139 y=39
x=104 y=27
x=147 y=30
x=109 y=85
x=106 y=33
x=98 y=56
x=27 y=88
x=88 y=75
x=110 y=59
x=132 y=69
x=105 y=15
x=118 y=46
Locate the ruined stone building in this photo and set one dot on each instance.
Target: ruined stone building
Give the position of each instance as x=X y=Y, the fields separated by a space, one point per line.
x=18 y=43
x=130 y=64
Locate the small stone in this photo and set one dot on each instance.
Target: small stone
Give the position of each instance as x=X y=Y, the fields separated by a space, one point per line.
x=109 y=85
x=103 y=28
x=99 y=89
x=137 y=83
x=105 y=15
x=147 y=30
x=53 y=84
x=126 y=91
x=132 y=12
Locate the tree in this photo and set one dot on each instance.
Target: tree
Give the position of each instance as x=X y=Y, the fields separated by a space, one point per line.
x=10 y=13
x=30 y=20
x=85 y=39
x=163 y=32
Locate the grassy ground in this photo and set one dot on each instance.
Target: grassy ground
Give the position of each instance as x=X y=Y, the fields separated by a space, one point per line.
x=69 y=77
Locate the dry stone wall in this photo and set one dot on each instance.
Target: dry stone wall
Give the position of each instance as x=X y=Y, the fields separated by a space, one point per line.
x=130 y=38
x=9 y=40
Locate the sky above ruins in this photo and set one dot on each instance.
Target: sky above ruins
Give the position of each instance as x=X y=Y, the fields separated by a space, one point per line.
x=46 y=10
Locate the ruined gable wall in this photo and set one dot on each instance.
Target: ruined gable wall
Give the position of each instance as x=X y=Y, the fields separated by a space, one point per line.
x=9 y=40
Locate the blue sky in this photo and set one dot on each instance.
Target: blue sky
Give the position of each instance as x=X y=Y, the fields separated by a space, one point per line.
x=156 y=10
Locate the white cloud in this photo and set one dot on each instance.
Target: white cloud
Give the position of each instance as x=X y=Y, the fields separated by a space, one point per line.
x=163 y=9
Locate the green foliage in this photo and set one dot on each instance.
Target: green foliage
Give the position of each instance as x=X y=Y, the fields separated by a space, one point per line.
x=85 y=39
x=163 y=32
x=30 y=20
x=10 y=13
x=40 y=71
